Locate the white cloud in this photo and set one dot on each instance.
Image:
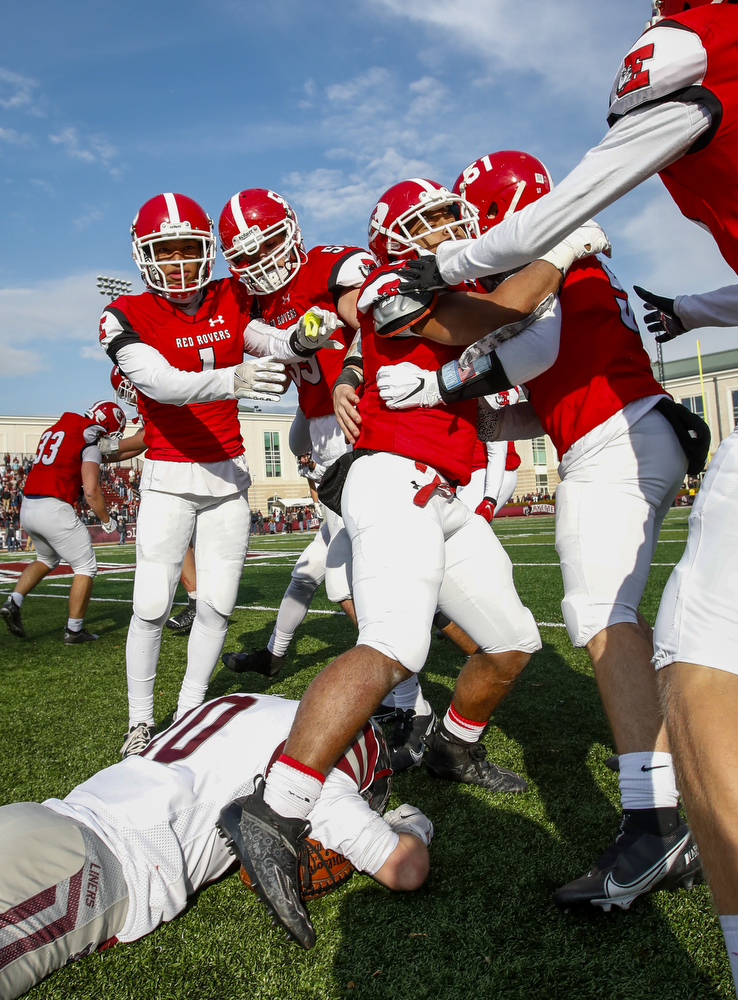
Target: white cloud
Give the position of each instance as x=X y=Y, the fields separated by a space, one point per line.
x=15 y=361
x=554 y=41
x=13 y=138
x=90 y=149
x=18 y=92
x=90 y=216
x=35 y=320
x=93 y=353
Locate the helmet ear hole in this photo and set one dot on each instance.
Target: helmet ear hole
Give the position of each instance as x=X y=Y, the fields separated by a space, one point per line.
x=493 y=211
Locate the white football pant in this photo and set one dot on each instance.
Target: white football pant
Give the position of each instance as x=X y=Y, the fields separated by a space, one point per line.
x=58 y=534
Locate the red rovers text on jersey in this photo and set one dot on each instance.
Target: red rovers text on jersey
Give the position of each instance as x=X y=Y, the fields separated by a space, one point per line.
x=57 y=467
x=328 y=271
x=211 y=338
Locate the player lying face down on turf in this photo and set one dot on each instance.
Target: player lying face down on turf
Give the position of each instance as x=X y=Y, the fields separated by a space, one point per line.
x=185 y=346
x=415 y=548
x=124 y=850
x=619 y=437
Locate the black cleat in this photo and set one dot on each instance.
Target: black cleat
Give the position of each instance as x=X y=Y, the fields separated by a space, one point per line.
x=384 y=714
x=12 y=615
x=268 y=846
x=410 y=738
x=260 y=661
x=72 y=636
x=181 y=624
x=455 y=760
x=636 y=863
x=137 y=739
x=613 y=763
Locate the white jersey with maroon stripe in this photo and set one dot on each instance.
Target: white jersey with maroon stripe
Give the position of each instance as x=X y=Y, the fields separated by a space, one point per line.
x=157 y=812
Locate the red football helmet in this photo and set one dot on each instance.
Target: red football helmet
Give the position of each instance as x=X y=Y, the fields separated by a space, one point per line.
x=502 y=183
x=109 y=416
x=124 y=388
x=411 y=202
x=173 y=217
x=667 y=8
x=261 y=240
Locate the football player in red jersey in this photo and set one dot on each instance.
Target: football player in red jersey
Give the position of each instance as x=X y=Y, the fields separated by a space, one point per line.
x=136 y=840
x=68 y=457
x=415 y=548
x=183 y=348
x=621 y=466
x=261 y=241
x=673 y=111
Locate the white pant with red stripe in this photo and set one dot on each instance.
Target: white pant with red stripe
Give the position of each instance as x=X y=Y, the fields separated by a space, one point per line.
x=410 y=560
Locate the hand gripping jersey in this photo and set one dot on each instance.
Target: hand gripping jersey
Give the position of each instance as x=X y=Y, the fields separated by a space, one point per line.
x=211 y=338
x=693 y=57
x=328 y=271
x=57 y=467
x=157 y=812
x=601 y=366
x=443 y=437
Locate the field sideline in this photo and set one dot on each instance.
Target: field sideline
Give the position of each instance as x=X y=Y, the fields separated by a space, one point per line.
x=484 y=924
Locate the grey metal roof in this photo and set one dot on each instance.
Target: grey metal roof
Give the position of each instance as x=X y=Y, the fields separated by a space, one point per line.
x=688 y=367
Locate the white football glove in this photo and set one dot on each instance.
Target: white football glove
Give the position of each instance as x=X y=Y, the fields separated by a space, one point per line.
x=583 y=242
x=262 y=378
x=107 y=445
x=110 y=525
x=409 y=819
x=314 y=330
x=405 y=385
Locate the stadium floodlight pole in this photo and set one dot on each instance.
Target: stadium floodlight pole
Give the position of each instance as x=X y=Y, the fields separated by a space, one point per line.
x=113 y=287
x=660 y=363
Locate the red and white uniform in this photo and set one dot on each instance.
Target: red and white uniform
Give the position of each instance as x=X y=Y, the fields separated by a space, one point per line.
x=415 y=546
x=182 y=360
x=136 y=839
x=51 y=490
x=327 y=273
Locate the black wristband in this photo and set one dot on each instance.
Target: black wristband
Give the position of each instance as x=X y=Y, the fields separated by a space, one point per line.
x=483 y=377
x=349 y=376
x=298 y=349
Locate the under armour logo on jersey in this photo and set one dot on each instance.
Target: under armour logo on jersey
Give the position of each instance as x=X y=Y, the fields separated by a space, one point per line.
x=286 y=297
x=633 y=76
x=216 y=321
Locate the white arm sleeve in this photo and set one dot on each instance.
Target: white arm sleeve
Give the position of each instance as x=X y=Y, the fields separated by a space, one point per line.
x=535 y=349
x=640 y=144
x=344 y=822
x=152 y=374
x=718 y=308
x=496 y=459
x=92 y=454
x=262 y=340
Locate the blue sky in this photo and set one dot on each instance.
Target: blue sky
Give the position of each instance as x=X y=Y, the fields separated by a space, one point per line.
x=328 y=103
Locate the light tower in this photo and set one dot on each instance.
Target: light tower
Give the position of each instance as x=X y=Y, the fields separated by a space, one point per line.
x=113 y=287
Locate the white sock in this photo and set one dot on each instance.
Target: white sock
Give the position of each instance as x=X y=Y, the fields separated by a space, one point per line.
x=192 y=594
x=17 y=598
x=203 y=650
x=292 y=791
x=463 y=729
x=292 y=610
x=730 y=933
x=142 y=653
x=409 y=695
x=647 y=781
x=74 y=624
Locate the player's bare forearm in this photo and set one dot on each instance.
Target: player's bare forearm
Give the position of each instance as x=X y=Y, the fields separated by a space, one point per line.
x=345 y=403
x=462 y=318
x=407 y=866
x=95 y=500
x=129 y=447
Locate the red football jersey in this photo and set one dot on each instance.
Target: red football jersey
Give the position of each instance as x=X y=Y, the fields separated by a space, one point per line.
x=57 y=467
x=479 y=457
x=316 y=285
x=702 y=183
x=602 y=365
x=442 y=437
x=211 y=338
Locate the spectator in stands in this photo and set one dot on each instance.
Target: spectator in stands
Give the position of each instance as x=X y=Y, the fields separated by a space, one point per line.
x=259 y=523
x=301 y=518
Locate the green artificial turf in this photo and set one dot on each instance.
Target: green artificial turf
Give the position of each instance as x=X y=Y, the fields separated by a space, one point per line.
x=483 y=925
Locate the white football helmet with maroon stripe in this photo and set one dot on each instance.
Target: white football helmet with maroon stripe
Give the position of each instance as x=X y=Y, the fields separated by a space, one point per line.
x=169 y=217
